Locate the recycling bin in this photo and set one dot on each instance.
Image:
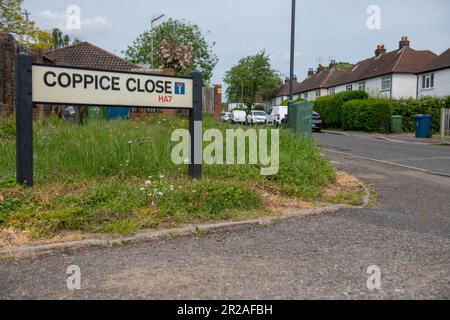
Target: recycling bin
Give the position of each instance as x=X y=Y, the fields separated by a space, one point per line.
x=423 y=125
x=118 y=113
x=97 y=113
x=397 y=124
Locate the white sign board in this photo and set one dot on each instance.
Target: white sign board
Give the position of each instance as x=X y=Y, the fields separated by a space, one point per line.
x=64 y=85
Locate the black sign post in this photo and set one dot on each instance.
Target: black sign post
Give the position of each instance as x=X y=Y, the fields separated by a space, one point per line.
x=24 y=115
x=24 y=120
x=195 y=121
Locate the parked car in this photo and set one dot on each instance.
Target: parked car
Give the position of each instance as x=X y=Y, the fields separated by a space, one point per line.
x=257 y=117
x=317 y=122
x=225 y=116
x=238 y=116
x=276 y=115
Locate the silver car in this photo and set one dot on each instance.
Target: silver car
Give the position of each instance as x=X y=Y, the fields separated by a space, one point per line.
x=256 y=117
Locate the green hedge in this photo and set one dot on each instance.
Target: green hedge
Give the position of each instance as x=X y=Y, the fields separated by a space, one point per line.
x=330 y=107
x=286 y=102
x=367 y=115
x=409 y=108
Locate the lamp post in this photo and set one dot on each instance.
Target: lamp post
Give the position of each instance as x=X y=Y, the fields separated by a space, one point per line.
x=154 y=19
x=291 y=80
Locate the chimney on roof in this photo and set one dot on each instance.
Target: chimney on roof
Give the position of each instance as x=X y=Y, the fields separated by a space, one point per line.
x=295 y=79
x=380 y=50
x=286 y=81
x=310 y=72
x=320 y=68
x=333 y=64
x=404 y=42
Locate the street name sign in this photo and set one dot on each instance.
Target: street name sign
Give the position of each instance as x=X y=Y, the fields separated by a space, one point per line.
x=67 y=85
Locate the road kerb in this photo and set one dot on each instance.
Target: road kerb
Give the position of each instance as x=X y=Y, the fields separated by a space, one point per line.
x=23 y=252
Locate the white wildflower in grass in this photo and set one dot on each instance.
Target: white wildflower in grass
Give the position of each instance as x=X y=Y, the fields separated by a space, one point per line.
x=130 y=142
x=160 y=194
x=171 y=188
x=148 y=182
x=161 y=176
x=142 y=189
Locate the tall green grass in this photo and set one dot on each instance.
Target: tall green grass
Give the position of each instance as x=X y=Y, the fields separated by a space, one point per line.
x=93 y=178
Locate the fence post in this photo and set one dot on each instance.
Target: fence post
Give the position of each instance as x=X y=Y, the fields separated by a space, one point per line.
x=195 y=128
x=443 y=123
x=24 y=120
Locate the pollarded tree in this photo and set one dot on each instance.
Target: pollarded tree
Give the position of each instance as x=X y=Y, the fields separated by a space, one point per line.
x=252 y=76
x=176 y=33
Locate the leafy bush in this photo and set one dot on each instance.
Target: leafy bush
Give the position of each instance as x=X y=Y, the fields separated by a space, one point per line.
x=286 y=102
x=447 y=102
x=366 y=115
x=330 y=107
x=409 y=108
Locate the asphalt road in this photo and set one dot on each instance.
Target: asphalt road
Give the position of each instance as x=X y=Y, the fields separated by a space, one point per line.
x=435 y=158
x=406 y=234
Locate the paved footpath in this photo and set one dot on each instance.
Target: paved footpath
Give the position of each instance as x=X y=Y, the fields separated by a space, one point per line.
x=407 y=234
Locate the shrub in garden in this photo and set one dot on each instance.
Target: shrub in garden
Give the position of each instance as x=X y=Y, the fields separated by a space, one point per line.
x=409 y=108
x=330 y=107
x=286 y=102
x=366 y=115
x=447 y=102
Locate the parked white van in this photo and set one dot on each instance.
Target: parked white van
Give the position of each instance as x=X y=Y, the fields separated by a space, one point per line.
x=277 y=114
x=238 y=116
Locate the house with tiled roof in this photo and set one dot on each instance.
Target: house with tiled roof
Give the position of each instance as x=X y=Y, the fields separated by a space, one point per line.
x=283 y=93
x=386 y=74
x=434 y=78
x=87 y=55
x=317 y=83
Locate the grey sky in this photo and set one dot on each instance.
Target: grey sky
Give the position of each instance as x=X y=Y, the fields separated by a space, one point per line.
x=325 y=28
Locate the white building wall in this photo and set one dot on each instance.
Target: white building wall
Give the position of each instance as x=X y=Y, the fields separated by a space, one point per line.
x=441 y=85
x=404 y=86
x=373 y=87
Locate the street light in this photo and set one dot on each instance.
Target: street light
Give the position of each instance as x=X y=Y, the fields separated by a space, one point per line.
x=291 y=80
x=155 y=19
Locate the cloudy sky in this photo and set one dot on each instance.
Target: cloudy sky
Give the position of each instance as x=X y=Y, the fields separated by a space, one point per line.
x=325 y=28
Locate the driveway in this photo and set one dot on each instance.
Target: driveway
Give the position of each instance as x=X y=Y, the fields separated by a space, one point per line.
x=407 y=235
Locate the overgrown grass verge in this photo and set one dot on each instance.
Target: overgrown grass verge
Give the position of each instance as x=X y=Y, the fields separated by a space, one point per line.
x=118 y=177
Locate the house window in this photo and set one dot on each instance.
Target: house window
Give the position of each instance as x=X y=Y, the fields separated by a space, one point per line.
x=305 y=95
x=331 y=91
x=362 y=86
x=428 y=81
x=386 y=83
x=318 y=93
x=349 y=87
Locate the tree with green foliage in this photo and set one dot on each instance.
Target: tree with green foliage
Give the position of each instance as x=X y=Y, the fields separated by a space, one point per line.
x=252 y=76
x=24 y=30
x=176 y=33
x=60 y=40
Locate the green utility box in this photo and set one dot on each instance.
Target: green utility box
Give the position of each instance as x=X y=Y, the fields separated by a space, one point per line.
x=397 y=125
x=300 y=116
x=97 y=113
